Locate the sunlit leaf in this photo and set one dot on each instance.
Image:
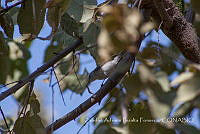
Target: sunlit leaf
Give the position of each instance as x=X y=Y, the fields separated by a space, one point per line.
x=83 y=118
x=82 y=10
x=145 y=74
x=158 y=109
x=188 y=90
x=162 y=79
x=183 y=77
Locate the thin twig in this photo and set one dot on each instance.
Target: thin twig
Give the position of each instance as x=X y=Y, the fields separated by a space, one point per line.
x=78 y=78
x=65 y=75
x=135 y=3
x=140 y=2
x=59 y=86
x=50 y=77
x=52 y=97
x=34 y=15
x=29 y=95
x=4 y=118
x=4 y=85
x=85 y=49
x=133 y=65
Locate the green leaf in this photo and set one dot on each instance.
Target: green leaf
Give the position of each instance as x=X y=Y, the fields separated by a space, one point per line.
x=51 y=51
x=82 y=10
x=91 y=34
x=62 y=39
x=187 y=129
x=35 y=105
x=69 y=25
x=72 y=83
x=37 y=124
x=133 y=86
x=149 y=53
x=53 y=18
x=105 y=129
x=22 y=126
x=31 y=17
x=163 y=130
x=30 y=125
x=158 y=109
x=6 y=23
x=160 y=96
x=4 y=59
x=138 y=113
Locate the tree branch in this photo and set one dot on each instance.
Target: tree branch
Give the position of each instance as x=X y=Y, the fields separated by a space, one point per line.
x=122 y=68
x=41 y=69
x=181 y=32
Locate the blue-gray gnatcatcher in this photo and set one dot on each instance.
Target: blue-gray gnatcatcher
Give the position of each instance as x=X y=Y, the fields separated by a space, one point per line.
x=104 y=71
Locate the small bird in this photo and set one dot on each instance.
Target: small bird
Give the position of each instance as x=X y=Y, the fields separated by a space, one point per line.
x=104 y=71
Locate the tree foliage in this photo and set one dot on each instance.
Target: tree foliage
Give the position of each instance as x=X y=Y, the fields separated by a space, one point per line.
x=157 y=95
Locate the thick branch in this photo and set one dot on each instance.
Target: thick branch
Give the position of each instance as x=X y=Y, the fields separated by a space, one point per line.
x=40 y=70
x=122 y=68
x=180 y=32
